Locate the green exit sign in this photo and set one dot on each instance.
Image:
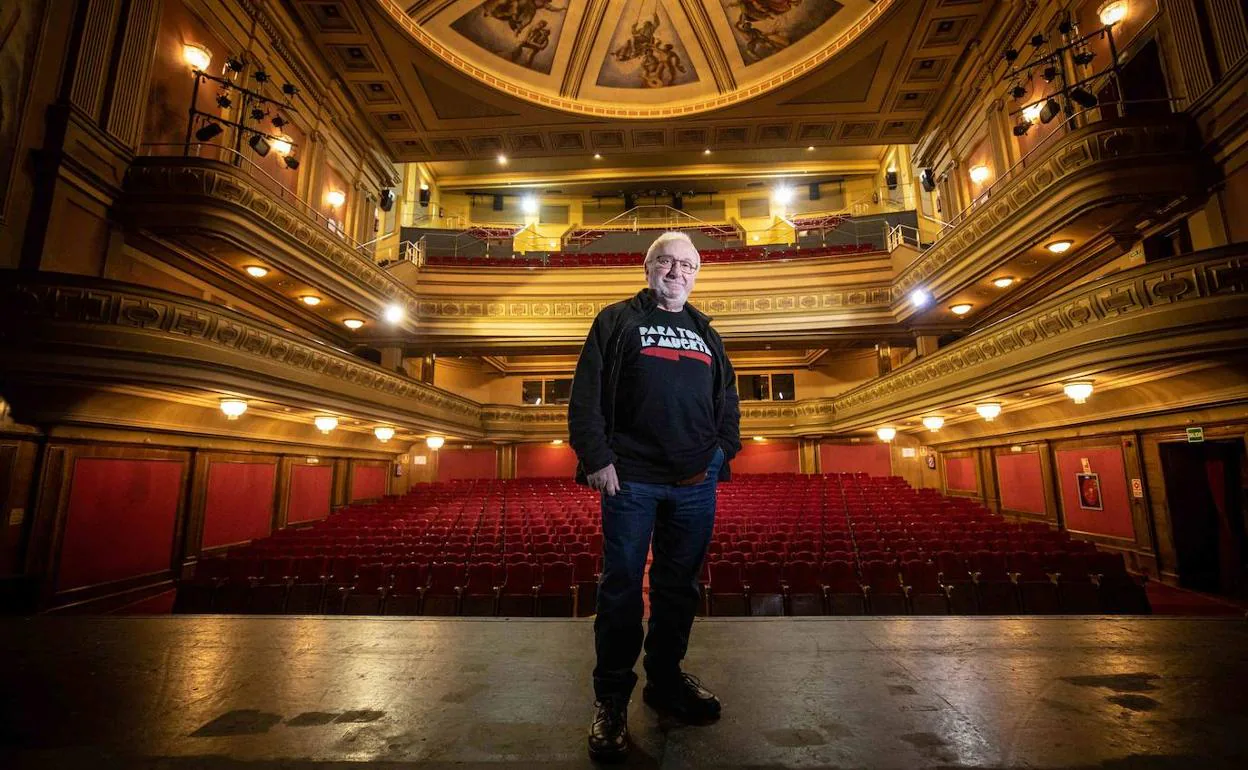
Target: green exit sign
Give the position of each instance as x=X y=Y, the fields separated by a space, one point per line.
x=1195 y=435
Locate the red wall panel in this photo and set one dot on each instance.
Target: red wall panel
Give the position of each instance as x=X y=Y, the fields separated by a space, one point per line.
x=1021 y=482
x=309 y=493
x=545 y=461
x=369 y=482
x=766 y=457
x=120 y=520
x=1106 y=462
x=475 y=463
x=871 y=459
x=960 y=474
x=239 y=507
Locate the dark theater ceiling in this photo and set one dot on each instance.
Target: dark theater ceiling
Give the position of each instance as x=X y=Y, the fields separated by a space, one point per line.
x=465 y=80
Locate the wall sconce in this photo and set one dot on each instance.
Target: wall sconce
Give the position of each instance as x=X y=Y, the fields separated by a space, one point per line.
x=197 y=56
x=335 y=198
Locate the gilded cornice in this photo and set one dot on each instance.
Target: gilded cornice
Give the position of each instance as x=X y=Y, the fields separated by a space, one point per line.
x=47 y=315
x=1044 y=193
x=1156 y=303
x=153 y=182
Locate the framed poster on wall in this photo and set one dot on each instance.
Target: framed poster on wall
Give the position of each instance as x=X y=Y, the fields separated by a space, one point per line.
x=1089 y=486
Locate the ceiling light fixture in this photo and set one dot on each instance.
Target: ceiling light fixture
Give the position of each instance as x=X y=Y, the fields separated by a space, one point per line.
x=335 y=198
x=435 y=442
x=233 y=407
x=933 y=423
x=760 y=438
x=920 y=298
x=311 y=300
x=256 y=271
x=502 y=160
x=707 y=151
x=383 y=433
x=353 y=323
x=886 y=434
x=394 y=314
x=597 y=156
x=197 y=56
x=529 y=204
x=811 y=148
x=326 y=423
x=1078 y=391
x=556 y=441
x=1060 y=247
x=988 y=410
x=783 y=195
x=980 y=173
x=1003 y=282
x=962 y=308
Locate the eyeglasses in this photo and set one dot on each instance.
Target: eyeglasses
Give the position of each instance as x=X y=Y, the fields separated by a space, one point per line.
x=665 y=263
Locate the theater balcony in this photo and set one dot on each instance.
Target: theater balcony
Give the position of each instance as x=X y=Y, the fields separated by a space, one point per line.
x=1094 y=182
x=218 y=208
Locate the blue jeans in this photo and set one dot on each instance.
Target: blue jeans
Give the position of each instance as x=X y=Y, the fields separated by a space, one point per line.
x=680 y=520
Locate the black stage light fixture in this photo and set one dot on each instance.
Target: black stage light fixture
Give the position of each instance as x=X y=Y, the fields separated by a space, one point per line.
x=1084 y=58
x=890 y=179
x=257 y=113
x=259 y=144
x=1049 y=74
x=1011 y=54
x=291 y=162
x=1065 y=27
x=234 y=65
x=927 y=179
x=1049 y=110
x=278 y=121
x=223 y=101
x=208 y=132
x=1084 y=98
x=1037 y=40
x=1018 y=92
x=289 y=89
x=1022 y=128
x=387 y=200
x=261 y=76
x=424 y=196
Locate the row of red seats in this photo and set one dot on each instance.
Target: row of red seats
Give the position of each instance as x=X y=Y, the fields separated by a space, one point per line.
x=628 y=259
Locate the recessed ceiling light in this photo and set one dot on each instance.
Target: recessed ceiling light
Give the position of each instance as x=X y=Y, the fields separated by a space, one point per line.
x=502 y=160
x=310 y=299
x=962 y=308
x=707 y=151
x=1003 y=282
x=597 y=156
x=1060 y=247
x=353 y=323
x=811 y=148
x=256 y=271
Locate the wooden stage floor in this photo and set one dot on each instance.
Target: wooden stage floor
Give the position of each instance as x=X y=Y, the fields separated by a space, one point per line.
x=298 y=693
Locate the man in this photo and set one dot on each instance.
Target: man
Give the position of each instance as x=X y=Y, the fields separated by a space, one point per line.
x=654 y=419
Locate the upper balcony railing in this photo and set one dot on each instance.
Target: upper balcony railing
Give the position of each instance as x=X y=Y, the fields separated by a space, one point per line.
x=1079 y=119
x=304 y=208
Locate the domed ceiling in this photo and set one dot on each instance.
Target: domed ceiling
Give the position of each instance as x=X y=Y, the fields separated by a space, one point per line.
x=637 y=58
x=767 y=82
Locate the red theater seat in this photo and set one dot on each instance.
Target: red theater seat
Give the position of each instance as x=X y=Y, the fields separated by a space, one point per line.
x=727 y=596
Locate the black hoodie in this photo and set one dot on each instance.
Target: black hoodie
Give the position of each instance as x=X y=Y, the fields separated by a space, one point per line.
x=591 y=409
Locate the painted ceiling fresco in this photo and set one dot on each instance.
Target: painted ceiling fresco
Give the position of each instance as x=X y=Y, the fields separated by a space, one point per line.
x=635 y=50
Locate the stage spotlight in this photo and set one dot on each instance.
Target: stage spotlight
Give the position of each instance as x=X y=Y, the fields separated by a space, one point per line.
x=1037 y=40
x=289 y=89
x=223 y=101
x=920 y=298
x=782 y=195
x=1011 y=54
x=291 y=162
x=1049 y=73
x=208 y=132
x=1084 y=58
x=278 y=121
x=1022 y=128
x=394 y=314
x=257 y=113
x=1049 y=111
x=1031 y=113
x=282 y=145
x=529 y=204
x=261 y=76
x=259 y=144
x=1083 y=98
x=234 y=65
x=1018 y=91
